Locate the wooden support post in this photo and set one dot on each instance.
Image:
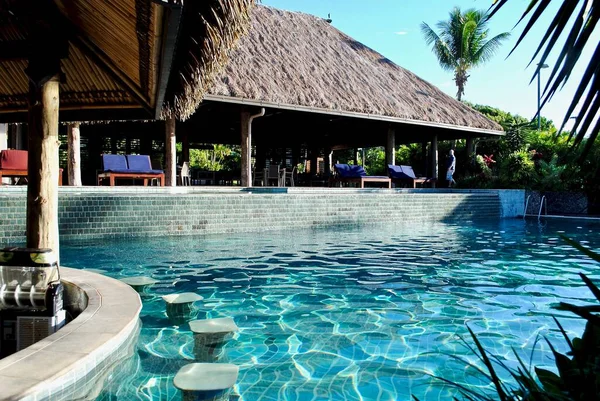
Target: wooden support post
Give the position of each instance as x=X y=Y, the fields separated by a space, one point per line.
x=327 y=165
x=246 y=130
x=425 y=159
x=356 y=156
x=469 y=147
x=74 y=154
x=42 y=191
x=246 y=133
x=170 y=155
x=390 y=147
x=434 y=157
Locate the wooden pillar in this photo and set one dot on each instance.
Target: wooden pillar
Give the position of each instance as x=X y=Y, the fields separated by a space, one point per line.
x=469 y=147
x=3 y=136
x=390 y=147
x=327 y=161
x=170 y=155
x=74 y=155
x=355 y=156
x=434 y=157
x=425 y=159
x=246 y=130
x=42 y=165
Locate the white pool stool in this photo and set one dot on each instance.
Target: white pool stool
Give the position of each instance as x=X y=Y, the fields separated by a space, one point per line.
x=210 y=335
x=139 y=283
x=206 y=381
x=181 y=306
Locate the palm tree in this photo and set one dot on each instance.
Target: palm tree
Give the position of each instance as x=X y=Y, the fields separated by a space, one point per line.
x=569 y=30
x=463 y=43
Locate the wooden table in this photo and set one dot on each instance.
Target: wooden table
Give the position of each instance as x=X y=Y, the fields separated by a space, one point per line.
x=23 y=174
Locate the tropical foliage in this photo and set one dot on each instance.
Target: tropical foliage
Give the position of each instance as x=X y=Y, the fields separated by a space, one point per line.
x=214 y=157
x=463 y=42
x=570 y=30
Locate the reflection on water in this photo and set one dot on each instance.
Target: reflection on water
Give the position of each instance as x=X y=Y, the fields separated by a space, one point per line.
x=344 y=314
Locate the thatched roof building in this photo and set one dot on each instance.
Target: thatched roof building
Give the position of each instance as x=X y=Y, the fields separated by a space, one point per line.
x=296 y=61
x=120 y=59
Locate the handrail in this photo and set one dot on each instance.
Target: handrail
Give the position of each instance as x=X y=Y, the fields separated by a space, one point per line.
x=542 y=202
x=526 y=206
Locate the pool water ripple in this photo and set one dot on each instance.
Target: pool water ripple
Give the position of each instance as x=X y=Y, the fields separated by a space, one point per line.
x=350 y=314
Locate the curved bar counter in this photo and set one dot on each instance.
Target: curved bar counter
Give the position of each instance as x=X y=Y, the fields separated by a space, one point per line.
x=74 y=361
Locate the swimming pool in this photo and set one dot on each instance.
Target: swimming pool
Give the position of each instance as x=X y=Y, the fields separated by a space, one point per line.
x=350 y=314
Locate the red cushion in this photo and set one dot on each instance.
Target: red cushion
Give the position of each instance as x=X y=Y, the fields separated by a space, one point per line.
x=11 y=159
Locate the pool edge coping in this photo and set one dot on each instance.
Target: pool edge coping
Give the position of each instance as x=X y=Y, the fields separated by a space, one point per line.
x=69 y=355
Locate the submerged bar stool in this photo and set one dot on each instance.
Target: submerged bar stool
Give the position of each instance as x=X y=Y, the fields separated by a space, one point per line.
x=139 y=283
x=210 y=335
x=180 y=307
x=206 y=381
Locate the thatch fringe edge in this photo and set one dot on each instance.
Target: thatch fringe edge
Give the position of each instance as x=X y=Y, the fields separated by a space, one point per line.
x=210 y=34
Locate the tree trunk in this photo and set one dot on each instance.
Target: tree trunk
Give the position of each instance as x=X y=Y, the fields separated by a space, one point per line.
x=74 y=155
x=460 y=77
x=390 y=147
x=42 y=166
x=434 y=157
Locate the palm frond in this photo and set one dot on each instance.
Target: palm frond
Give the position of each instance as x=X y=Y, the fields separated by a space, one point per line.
x=440 y=47
x=487 y=51
x=461 y=42
x=578 y=31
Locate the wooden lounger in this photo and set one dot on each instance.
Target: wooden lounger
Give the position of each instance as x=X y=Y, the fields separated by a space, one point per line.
x=356 y=175
x=23 y=173
x=133 y=167
x=361 y=180
x=112 y=177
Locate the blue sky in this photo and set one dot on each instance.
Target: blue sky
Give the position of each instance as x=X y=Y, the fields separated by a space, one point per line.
x=391 y=27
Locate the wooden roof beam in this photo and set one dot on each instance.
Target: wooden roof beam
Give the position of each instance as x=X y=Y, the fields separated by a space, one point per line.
x=104 y=62
x=170 y=34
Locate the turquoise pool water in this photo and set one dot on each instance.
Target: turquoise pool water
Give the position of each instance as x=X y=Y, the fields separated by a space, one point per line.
x=350 y=314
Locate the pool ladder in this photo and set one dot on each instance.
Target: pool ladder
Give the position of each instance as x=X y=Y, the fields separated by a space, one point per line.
x=543 y=205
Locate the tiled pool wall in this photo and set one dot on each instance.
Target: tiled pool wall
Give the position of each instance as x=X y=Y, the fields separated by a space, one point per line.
x=95 y=213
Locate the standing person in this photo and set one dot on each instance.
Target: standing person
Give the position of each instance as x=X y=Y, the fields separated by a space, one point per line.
x=451 y=167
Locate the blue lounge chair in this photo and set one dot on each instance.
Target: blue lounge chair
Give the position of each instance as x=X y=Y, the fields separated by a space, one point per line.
x=405 y=176
x=131 y=167
x=346 y=173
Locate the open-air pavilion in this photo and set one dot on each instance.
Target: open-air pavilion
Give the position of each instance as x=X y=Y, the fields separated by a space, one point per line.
x=321 y=91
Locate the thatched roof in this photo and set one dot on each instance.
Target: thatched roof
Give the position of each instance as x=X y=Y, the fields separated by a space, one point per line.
x=124 y=59
x=297 y=61
x=209 y=30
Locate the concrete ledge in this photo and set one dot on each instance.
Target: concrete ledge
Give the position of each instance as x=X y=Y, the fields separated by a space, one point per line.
x=69 y=363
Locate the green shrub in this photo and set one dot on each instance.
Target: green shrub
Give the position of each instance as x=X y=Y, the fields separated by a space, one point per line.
x=517 y=170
